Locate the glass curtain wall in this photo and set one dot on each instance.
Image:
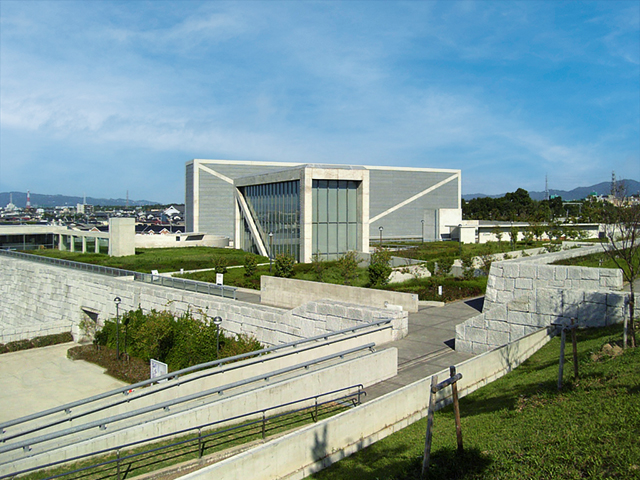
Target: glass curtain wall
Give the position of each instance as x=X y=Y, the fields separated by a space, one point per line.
x=335 y=217
x=275 y=208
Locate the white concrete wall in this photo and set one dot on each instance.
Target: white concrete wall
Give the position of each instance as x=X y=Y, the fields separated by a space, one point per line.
x=177 y=240
x=303 y=452
x=301 y=291
x=366 y=370
x=122 y=232
x=40 y=299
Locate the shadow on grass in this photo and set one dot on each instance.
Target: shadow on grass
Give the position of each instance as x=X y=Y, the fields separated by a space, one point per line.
x=447 y=463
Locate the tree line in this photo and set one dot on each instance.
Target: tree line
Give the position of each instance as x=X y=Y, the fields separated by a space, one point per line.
x=518 y=206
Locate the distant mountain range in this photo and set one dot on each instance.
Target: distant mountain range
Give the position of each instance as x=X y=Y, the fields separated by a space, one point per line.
x=604 y=188
x=39 y=200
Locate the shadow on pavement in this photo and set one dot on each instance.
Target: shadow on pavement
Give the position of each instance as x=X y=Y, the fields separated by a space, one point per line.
x=476 y=303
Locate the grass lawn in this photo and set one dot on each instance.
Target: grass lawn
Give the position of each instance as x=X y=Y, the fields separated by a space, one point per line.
x=436 y=251
x=426 y=288
x=520 y=427
x=162 y=259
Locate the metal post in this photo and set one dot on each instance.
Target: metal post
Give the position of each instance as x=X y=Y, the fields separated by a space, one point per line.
x=217 y=321
x=380 y=228
x=270 y=251
x=264 y=427
x=422 y=238
x=117 y=300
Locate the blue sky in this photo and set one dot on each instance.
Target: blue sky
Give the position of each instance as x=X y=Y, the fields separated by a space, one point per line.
x=102 y=97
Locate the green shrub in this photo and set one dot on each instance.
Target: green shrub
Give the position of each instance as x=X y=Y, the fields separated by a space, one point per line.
x=220 y=263
x=18 y=345
x=467 y=267
x=444 y=265
x=180 y=341
x=284 y=265
x=319 y=267
x=250 y=265
x=348 y=267
x=37 y=342
x=53 y=339
x=379 y=269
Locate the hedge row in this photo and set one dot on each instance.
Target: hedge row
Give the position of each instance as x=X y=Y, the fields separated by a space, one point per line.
x=36 y=342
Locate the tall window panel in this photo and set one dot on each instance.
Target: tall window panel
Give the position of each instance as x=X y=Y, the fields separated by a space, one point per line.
x=334 y=217
x=275 y=208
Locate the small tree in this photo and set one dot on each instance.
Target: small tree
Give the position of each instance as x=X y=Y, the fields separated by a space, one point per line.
x=467 y=267
x=348 y=267
x=497 y=232
x=444 y=266
x=250 y=265
x=284 y=265
x=379 y=269
x=623 y=234
x=220 y=264
x=513 y=233
x=319 y=266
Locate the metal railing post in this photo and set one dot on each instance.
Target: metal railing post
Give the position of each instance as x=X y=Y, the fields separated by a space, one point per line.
x=117 y=464
x=200 y=449
x=264 y=426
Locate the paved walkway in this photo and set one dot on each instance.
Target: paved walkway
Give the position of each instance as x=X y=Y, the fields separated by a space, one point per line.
x=429 y=346
x=42 y=378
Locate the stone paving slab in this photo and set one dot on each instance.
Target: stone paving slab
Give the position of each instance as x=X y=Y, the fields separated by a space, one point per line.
x=429 y=347
x=42 y=378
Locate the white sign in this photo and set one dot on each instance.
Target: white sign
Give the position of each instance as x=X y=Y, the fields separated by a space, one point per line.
x=158 y=369
x=219 y=277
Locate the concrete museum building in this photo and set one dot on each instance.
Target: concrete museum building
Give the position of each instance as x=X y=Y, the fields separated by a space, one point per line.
x=304 y=209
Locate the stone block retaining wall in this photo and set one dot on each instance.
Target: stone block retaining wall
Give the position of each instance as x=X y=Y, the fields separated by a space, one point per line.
x=511 y=279
x=526 y=294
x=39 y=299
x=540 y=308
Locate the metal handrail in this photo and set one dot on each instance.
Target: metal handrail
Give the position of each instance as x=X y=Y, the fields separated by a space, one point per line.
x=166 y=405
x=179 y=283
x=67 y=408
x=199 y=428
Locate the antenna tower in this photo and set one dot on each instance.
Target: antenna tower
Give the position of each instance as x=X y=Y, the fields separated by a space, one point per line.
x=614 y=186
x=546 y=187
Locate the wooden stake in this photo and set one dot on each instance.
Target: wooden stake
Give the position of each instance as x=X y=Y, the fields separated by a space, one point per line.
x=427 y=440
x=563 y=338
x=574 y=341
x=456 y=408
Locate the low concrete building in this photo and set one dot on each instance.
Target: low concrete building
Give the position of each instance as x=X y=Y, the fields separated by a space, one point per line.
x=303 y=209
x=483 y=231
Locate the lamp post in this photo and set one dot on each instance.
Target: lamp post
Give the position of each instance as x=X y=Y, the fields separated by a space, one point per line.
x=380 y=228
x=217 y=321
x=270 y=251
x=422 y=239
x=117 y=300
